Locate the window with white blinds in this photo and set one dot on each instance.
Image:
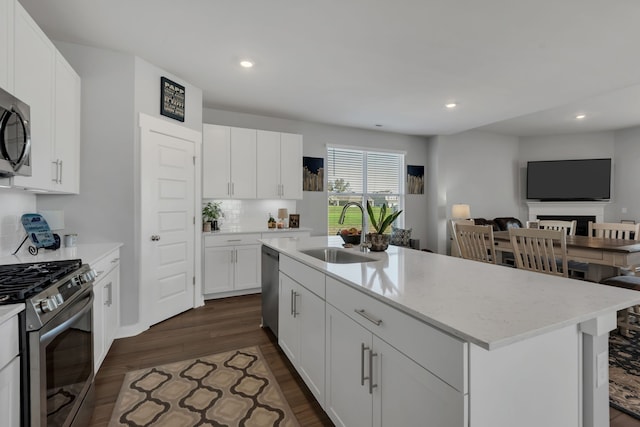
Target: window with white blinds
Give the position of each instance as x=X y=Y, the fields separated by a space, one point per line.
x=357 y=176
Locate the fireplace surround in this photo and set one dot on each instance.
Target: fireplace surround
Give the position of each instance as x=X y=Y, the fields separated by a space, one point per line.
x=582 y=212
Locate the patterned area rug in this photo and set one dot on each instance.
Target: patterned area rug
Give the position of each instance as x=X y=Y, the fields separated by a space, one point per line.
x=624 y=373
x=235 y=388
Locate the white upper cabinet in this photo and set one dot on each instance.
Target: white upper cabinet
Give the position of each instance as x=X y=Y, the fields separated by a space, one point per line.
x=44 y=80
x=65 y=173
x=34 y=62
x=228 y=162
x=291 y=165
x=279 y=165
x=6 y=44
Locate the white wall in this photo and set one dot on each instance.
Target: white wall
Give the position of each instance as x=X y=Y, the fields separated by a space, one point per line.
x=316 y=136
x=626 y=175
x=593 y=145
x=13 y=203
x=475 y=168
x=116 y=87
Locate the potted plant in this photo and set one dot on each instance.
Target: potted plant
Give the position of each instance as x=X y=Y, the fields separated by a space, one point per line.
x=210 y=214
x=380 y=241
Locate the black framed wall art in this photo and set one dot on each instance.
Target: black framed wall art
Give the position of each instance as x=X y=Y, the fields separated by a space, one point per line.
x=172 y=99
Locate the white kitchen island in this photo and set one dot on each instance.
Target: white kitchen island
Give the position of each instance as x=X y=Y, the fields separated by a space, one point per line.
x=414 y=338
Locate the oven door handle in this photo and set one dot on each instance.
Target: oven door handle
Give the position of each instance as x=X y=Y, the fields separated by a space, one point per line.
x=48 y=336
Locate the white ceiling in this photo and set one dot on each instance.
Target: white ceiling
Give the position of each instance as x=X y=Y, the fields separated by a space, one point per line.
x=520 y=67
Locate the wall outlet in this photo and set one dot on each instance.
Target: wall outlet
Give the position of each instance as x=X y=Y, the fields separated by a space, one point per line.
x=624 y=210
x=602 y=369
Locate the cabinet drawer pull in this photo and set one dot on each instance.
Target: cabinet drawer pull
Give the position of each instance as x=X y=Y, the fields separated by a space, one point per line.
x=371 y=384
x=234 y=240
x=113 y=261
x=99 y=273
x=369 y=317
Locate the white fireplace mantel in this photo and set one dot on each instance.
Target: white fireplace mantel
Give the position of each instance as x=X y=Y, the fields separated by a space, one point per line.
x=567 y=208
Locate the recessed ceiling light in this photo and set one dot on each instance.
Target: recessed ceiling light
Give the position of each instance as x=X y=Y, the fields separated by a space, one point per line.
x=580 y=116
x=246 y=63
x=451 y=105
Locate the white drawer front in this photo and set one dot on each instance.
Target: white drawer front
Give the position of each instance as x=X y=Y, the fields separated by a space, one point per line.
x=9 y=340
x=231 y=240
x=107 y=263
x=311 y=279
x=445 y=356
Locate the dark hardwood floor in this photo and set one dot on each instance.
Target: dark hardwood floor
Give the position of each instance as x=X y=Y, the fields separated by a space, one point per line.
x=221 y=325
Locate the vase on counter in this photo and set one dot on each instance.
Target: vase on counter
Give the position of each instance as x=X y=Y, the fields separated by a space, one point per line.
x=379 y=242
x=215 y=226
x=206 y=226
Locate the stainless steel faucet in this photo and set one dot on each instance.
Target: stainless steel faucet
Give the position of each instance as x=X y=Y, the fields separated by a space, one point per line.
x=363 y=245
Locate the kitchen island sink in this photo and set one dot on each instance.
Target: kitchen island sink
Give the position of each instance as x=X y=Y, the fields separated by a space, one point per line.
x=336 y=256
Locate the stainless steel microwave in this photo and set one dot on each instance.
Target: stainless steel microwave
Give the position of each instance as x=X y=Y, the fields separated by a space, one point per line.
x=15 y=136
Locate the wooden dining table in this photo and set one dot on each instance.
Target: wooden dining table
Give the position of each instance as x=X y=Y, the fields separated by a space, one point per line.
x=604 y=256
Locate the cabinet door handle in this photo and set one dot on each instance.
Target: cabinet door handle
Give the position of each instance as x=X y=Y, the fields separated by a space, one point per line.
x=282 y=189
x=57 y=169
x=295 y=304
x=108 y=301
x=60 y=179
x=291 y=302
x=233 y=188
x=363 y=348
x=371 y=384
x=369 y=317
x=229 y=188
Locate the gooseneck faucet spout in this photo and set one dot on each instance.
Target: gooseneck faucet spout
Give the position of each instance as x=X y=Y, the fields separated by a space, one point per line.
x=362 y=232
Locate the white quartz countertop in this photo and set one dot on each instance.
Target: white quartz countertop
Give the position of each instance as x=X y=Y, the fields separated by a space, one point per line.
x=241 y=229
x=8 y=311
x=489 y=305
x=89 y=253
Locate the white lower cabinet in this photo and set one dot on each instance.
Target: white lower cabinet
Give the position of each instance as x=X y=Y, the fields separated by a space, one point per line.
x=231 y=263
x=9 y=373
x=106 y=307
x=367 y=363
x=370 y=383
x=301 y=332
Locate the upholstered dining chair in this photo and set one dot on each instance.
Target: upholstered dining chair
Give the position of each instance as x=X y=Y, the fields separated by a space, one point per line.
x=538 y=250
x=476 y=242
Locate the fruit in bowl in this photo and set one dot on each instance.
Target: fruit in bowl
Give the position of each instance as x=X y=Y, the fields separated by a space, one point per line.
x=350 y=235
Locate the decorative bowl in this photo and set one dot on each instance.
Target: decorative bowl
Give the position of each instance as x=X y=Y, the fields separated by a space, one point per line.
x=354 y=239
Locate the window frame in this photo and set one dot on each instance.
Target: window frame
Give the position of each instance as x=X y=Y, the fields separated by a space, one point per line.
x=365 y=195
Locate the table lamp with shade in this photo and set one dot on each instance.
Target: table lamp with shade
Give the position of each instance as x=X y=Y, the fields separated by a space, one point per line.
x=283 y=214
x=460 y=211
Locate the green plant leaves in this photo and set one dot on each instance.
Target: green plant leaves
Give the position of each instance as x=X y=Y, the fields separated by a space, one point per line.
x=383 y=221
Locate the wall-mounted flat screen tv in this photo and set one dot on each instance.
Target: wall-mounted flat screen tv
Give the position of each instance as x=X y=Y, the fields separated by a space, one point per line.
x=563 y=180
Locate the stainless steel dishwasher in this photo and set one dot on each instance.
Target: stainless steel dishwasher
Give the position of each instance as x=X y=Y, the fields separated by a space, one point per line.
x=270 y=284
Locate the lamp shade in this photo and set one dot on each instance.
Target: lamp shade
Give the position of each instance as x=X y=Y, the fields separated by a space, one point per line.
x=283 y=213
x=460 y=211
x=55 y=219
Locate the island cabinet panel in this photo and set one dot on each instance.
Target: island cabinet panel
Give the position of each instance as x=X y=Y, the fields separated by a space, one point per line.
x=551 y=367
x=442 y=354
x=370 y=383
x=347 y=402
x=301 y=332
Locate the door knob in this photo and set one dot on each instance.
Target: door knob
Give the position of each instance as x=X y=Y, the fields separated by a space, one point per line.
x=155 y=237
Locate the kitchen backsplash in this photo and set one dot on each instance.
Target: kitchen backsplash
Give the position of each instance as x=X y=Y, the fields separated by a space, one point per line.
x=13 y=203
x=252 y=213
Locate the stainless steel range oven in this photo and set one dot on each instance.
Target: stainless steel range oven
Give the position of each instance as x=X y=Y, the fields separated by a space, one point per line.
x=56 y=340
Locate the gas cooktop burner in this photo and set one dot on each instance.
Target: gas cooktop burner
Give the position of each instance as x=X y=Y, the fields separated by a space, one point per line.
x=19 y=282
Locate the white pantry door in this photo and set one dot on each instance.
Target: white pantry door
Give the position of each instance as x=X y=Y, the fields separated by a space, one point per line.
x=167 y=214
